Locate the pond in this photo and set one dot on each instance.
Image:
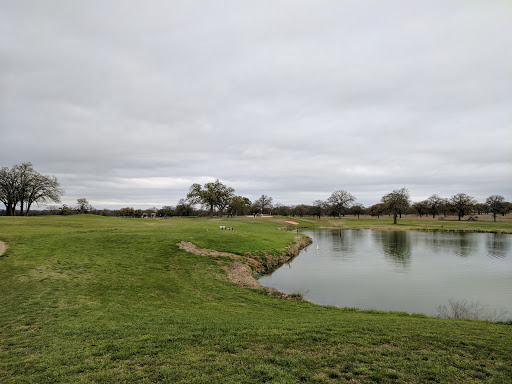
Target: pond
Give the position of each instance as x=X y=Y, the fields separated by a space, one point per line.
x=410 y=271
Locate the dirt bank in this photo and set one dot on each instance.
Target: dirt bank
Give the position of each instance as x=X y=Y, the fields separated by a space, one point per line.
x=3 y=248
x=243 y=269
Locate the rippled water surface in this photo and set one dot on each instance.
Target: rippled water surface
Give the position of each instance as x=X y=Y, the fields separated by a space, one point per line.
x=409 y=271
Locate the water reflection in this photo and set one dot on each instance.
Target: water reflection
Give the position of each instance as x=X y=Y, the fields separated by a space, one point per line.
x=343 y=241
x=465 y=244
x=497 y=245
x=461 y=244
x=351 y=268
x=396 y=245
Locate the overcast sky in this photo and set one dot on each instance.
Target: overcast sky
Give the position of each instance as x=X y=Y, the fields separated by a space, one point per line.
x=128 y=103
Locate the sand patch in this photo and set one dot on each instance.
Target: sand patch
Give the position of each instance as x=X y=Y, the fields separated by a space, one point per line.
x=241 y=275
x=239 y=272
x=192 y=248
x=292 y=222
x=3 y=248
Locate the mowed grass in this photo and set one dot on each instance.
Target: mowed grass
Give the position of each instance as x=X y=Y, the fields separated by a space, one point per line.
x=95 y=299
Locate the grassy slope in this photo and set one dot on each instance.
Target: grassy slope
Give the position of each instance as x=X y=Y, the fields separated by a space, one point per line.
x=92 y=299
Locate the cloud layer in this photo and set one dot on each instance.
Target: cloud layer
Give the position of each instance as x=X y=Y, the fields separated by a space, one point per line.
x=129 y=103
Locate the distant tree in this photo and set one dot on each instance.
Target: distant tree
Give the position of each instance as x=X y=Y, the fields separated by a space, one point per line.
x=138 y=213
x=280 y=209
x=480 y=208
x=23 y=185
x=263 y=203
x=212 y=195
x=396 y=202
x=420 y=207
x=83 y=206
x=507 y=207
x=9 y=191
x=357 y=209
x=434 y=204
x=340 y=201
x=239 y=205
x=184 y=208
x=127 y=212
x=65 y=210
x=496 y=204
x=319 y=207
x=165 y=211
x=298 y=210
x=462 y=204
x=376 y=210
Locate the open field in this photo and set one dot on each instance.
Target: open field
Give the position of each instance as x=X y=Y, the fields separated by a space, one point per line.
x=94 y=299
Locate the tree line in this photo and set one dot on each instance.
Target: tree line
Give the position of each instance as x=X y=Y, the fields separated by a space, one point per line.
x=21 y=186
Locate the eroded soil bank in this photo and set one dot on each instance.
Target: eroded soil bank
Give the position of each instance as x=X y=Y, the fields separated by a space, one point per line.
x=243 y=269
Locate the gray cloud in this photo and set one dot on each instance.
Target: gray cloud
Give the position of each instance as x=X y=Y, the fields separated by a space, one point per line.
x=128 y=103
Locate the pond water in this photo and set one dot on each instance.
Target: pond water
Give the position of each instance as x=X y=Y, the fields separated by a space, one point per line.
x=410 y=271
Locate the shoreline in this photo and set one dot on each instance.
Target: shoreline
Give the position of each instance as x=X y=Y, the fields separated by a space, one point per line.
x=391 y=227
x=244 y=269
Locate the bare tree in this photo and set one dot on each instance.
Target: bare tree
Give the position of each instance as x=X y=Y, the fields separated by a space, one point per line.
x=495 y=204
x=9 y=193
x=83 y=206
x=421 y=207
x=23 y=185
x=434 y=204
x=396 y=202
x=319 y=207
x=462 y=204
x=341 y=201
x=357 y=209
x=263 y=203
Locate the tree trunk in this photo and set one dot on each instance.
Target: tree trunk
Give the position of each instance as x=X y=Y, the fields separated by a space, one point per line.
x=394 y=218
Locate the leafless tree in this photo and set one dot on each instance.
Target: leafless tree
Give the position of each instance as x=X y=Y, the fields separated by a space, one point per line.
x=263 y=203
x=462 y=204
x=340 y=201
x=396 y=202
x=496 y=204
x=23 y=185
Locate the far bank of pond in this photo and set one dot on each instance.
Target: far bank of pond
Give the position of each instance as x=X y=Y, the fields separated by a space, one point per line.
x=411 y=271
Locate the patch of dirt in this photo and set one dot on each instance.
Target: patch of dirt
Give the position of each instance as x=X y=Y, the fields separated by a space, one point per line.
x=292 y=222
x=192 y=248
x=241 y=271
x=241 y=274
x=3 y=248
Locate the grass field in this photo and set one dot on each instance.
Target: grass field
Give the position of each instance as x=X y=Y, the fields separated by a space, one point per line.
x=95 y=299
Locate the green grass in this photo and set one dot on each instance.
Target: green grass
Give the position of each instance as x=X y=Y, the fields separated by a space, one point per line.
x=409 y=224
x=93 y=299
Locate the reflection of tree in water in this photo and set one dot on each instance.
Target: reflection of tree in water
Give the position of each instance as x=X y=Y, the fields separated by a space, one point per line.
x=341 y=240
x=397 y=246
x=464 y=244
x=498 y=245
x=461 y=244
